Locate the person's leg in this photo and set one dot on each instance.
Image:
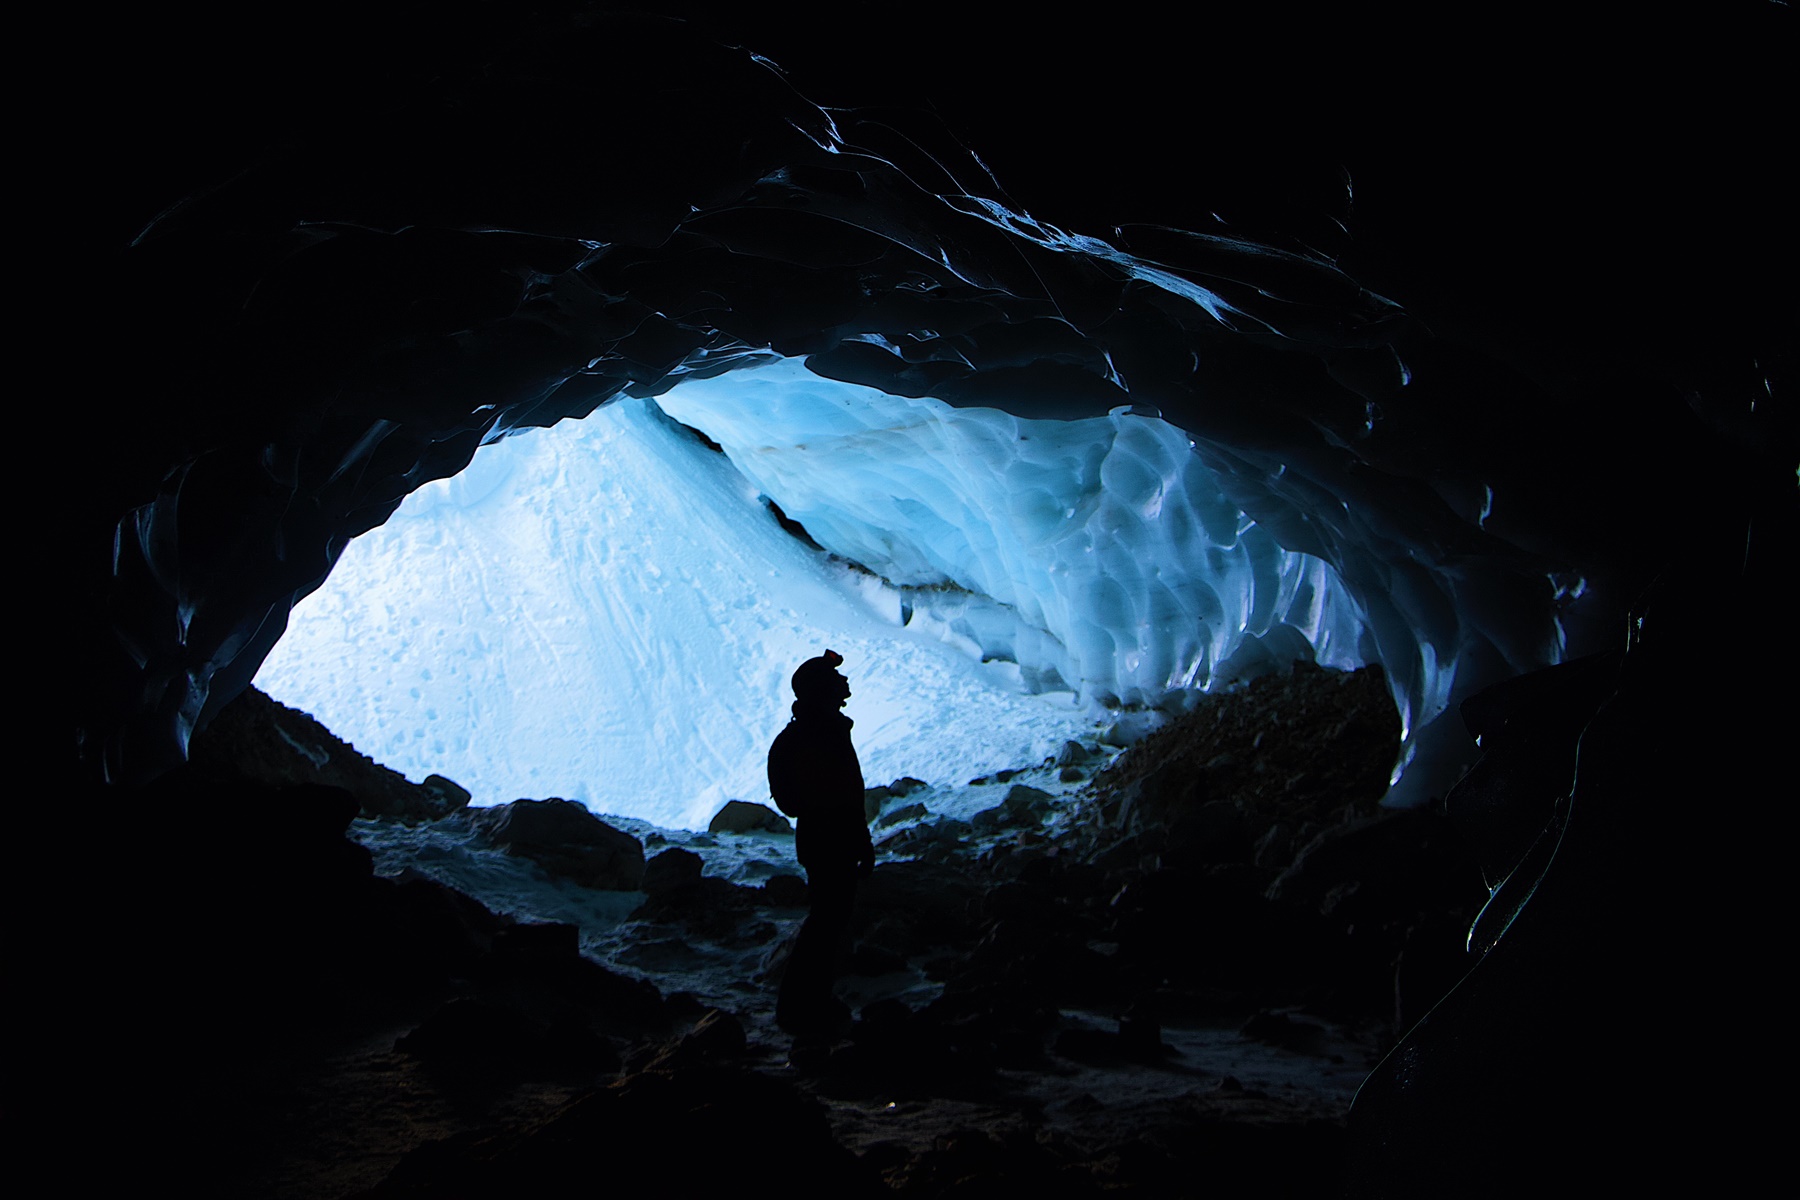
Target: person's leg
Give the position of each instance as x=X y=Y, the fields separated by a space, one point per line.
x=805 y=1004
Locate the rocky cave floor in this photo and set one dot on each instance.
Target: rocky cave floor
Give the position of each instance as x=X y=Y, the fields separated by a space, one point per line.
x=1172 y=980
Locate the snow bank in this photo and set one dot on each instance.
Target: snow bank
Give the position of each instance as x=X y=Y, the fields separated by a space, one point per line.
x=607 y=611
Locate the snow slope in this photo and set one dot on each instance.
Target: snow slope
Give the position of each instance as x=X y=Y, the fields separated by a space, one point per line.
x=608 y=611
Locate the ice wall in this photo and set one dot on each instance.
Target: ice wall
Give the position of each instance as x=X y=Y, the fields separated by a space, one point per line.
x=1099 y=555
x=609 y=610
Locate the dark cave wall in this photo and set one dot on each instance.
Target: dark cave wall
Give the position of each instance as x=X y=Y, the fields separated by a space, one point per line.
x=1590 y=249
x=337 y=302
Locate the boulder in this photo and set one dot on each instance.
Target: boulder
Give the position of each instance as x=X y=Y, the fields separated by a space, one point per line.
x=933 y=841
x=1023 y=808
x=741 y=816
x=450 y=795
x=566 y=840
x=785 y=891
x=874 y=798
x=905 y=812
x=673 y=868
x=902 y=787
x=1022 y=798
x=1074 y=754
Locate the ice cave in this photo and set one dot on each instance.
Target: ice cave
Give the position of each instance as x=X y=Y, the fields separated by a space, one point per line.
x=619 y=600
x=1304 y=524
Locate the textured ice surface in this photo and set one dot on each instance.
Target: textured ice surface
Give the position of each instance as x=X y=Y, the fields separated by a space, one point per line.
x=608 y=612
x=1099 y=555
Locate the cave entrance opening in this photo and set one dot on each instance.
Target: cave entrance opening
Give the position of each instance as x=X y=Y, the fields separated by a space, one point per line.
x=615 y=603
x=611 y=616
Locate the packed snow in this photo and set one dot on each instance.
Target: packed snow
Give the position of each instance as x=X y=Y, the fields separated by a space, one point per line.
x=609 y=610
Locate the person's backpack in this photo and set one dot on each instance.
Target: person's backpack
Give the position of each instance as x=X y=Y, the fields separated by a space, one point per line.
x=787 y=779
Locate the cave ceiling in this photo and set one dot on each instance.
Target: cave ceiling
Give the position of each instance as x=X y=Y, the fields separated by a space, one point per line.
x=1457 y=344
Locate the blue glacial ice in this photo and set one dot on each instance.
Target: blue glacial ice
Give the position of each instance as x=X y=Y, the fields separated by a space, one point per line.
x=613 y=609
x=1098 y=555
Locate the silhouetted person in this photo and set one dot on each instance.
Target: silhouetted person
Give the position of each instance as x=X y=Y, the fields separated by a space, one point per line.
x=815 y=778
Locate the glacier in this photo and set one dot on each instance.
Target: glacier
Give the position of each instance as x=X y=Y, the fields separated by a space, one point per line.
x=615 y=605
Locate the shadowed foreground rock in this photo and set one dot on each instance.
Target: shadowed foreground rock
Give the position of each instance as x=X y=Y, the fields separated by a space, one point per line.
x=262 y=740
x=696 y=1131
x=1258 y=902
